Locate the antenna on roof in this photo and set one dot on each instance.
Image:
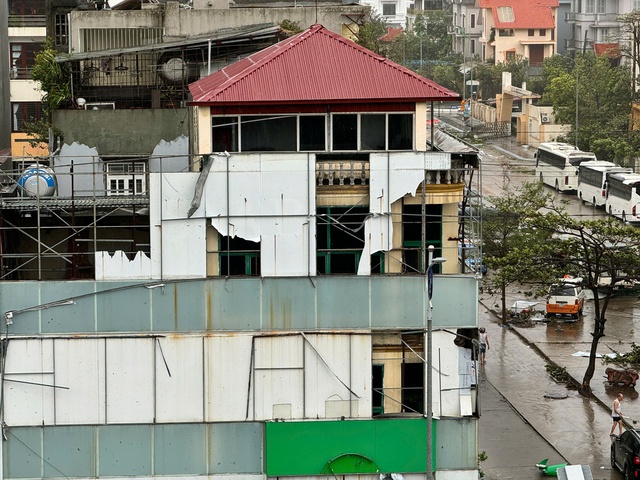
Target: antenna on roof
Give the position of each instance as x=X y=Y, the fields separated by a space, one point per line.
x=316 y=12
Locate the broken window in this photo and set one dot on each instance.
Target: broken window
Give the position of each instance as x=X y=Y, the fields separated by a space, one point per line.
x=340 y=239
x=412 y=235
x=239 y=256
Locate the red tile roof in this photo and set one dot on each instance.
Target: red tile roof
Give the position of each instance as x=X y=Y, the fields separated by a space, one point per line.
x=610 y=50
x=392 y=34
x=527 y=13
x=315 y=66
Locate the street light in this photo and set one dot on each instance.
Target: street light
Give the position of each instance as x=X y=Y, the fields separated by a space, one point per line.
x=432 y=263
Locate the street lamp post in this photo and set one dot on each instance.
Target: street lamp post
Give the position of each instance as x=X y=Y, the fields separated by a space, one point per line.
x=429 y=410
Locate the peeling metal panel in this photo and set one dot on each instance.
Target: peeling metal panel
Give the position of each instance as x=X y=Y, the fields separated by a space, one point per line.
x=276 y=210
x=393 y=177
x=179 y=388
x=29 y=402
x=129 y=382
x=80 y=366
x=86 y=162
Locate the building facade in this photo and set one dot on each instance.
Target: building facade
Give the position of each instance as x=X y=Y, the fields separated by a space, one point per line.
x=260 y=307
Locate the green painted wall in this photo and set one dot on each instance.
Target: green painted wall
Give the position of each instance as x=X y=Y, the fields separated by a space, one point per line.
x=314 y=448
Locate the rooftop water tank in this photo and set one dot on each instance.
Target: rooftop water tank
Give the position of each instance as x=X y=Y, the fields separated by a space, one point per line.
x=38 y=180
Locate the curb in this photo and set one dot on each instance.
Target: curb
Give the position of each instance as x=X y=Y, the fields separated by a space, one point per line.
x=540 y=353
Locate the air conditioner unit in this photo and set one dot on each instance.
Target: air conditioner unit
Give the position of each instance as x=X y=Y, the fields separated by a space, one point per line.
x=545 y=118
x=100 y=106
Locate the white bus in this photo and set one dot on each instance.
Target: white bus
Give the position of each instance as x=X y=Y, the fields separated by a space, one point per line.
x=592 y=180
x=623 y=196
x=557 y=164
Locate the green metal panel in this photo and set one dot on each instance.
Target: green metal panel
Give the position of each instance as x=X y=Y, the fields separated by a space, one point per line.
x=122 y=309
x=69 y=451
x=125 y=450
x=338 y=304
x=397 y=304
x=182 y=305
x=308 y=448
x=179 y=449
x=77 y=319
x=458 y=439
x=235 y=448
x=240 y=304
x=21 y=453
x=234 y=305
x=286 y=303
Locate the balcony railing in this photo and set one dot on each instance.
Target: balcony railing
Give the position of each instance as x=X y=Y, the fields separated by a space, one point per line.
x=348 y=172
x=593 y=18
x=27 y=21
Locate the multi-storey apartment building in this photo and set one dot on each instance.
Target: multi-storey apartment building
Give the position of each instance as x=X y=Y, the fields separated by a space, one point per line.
x=259 y=308
x=595 y=22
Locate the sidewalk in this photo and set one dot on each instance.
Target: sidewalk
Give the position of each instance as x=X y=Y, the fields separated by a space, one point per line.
x=577 y=428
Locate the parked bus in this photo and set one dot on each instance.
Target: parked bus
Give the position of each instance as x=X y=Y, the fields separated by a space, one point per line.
x=557 y=164
x=592 y=180
x=623 y=196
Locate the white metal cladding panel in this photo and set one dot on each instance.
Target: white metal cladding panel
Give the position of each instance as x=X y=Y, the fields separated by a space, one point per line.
x=446 y=375
x=130 y=380
x=80 y=365
x=29 y=403
x=279 y=375
x=348 y=364
x=176 y=192
x=227 y=377
x=184 y=249
x=179 y=383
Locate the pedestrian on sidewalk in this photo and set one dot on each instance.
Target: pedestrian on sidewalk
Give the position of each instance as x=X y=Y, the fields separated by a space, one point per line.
x=483 y=338
x=616 y=414
x=505 y=172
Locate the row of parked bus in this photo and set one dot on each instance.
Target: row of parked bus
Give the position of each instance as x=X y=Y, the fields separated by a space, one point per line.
x=603 y=184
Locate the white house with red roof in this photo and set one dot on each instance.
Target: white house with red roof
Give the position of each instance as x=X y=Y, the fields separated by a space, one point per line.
x=519 y=29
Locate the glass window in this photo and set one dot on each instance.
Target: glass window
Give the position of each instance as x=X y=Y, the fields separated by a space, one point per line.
x=62 y=30
x=388 y=9
x=24 y=112
x=225 y=134
x=473 y=20
x=400 y=132
x=372 y=132
x=26 y=7
x=543 y=32
x=312 y=133
x=590 y=6
x=602 y=6
x=340 y=239
x=268 y=134
x=531 y=32
x=23 y=58
x=412 y=235
x=345 y=132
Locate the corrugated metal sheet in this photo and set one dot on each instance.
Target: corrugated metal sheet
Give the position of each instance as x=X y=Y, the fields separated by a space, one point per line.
x=316 y=65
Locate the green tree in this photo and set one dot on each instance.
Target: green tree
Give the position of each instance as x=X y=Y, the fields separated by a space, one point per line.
x=511 y=250
x=604 y=96
x=54 y=81
x=529 y=239
x=370 y=32
x=602 y=253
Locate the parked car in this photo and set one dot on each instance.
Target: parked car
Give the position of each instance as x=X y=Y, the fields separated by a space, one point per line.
x=566 y=298
x=625 y=453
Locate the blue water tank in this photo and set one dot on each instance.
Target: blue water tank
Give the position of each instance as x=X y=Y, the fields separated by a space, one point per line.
x=38 y=180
